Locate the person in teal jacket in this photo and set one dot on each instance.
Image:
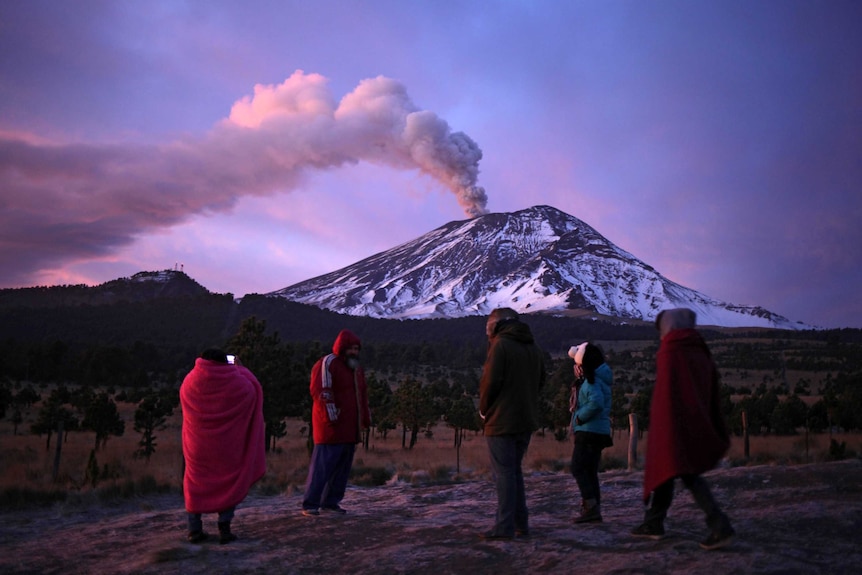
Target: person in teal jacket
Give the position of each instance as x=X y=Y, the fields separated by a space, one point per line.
x=591 y=424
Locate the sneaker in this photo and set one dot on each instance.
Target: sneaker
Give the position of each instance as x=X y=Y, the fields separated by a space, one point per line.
x=649 y=530
x=310 y=512
x=335 y=509
x=718 y=540
x=197 y=537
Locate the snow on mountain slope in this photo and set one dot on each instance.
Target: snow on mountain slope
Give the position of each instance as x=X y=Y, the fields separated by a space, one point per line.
x=538 y=259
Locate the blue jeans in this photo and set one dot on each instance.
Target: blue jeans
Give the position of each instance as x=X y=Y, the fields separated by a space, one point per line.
x=196 y=522
x=507 y=452
x=328 y=473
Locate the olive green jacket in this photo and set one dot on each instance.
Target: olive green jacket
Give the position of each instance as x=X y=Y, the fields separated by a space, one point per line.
x=512 y=376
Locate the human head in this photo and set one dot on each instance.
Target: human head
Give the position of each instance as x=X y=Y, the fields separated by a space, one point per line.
x=676 y=318
x=499 y=315
x=214 y=354
x=347 y=344
x=588 y=357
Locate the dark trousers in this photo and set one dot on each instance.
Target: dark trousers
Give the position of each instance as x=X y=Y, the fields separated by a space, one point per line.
x=328 y=473
x=586 y=458
x=662 y=497
x=507 y=452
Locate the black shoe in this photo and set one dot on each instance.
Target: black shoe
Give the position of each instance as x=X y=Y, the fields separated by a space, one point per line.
x=522 y=533
x=649 y=530
x=590 y=515
x=335 y=509
x=310 y=512
x=224 y=534
x=494 y=535
x=718 y=540
x=225 y=538
x=197 y=536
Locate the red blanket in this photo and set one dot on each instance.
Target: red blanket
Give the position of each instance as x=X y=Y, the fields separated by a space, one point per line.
x=687 y=432
x=223 y=435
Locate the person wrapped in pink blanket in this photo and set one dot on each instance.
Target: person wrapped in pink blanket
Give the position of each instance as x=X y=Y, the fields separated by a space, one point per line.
x=223 y=440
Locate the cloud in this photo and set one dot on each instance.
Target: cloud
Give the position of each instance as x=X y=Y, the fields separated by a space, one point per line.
x=62 y=202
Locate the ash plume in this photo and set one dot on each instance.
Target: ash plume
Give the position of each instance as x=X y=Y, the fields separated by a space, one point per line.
x=67 y=201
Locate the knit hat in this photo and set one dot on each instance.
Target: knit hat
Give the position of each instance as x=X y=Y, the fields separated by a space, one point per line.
x=214 y=354
x=677 y=318
x=576 y=352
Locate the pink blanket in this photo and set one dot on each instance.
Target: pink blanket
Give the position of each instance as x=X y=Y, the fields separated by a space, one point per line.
x=223 y=435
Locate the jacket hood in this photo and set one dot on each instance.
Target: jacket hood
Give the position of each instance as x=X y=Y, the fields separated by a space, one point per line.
x=345 y=339
x=514 y=329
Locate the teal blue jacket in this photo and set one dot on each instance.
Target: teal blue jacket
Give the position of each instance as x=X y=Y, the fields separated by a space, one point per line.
x=594 y=403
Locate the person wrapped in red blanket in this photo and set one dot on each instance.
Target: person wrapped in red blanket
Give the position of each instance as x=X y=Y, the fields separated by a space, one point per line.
x=687 y=432
x=223 y=440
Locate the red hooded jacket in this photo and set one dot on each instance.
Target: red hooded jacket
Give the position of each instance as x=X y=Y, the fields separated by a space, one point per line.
x=340 y=395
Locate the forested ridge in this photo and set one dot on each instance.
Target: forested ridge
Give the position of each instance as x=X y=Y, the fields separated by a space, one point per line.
x=134 y=341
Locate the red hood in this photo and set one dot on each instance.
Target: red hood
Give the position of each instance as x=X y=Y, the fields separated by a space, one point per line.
x=345 y=339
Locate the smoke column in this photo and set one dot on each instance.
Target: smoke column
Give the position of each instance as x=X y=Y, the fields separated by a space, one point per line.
x=377 y=122
x=66 y=201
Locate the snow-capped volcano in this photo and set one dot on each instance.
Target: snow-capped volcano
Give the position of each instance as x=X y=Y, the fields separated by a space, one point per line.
x=538 y=259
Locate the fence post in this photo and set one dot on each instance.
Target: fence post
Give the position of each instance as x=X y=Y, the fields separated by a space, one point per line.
x=59 y=448
x=633 y=441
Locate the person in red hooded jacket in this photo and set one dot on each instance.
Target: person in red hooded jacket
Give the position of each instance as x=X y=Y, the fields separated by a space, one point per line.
x=339 y=414
x=687 y=433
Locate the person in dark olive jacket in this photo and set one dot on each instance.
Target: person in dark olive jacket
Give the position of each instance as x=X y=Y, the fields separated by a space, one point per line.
x=512 y=376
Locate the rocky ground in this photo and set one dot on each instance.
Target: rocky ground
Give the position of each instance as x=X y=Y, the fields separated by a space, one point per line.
x=804 y=519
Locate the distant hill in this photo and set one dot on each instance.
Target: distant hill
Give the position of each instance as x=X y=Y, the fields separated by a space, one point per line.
x=142 y=286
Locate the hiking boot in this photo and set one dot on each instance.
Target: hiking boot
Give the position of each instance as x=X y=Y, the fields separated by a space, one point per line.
x=649 y=530
x=310 y=512
x=224 y=534
x=335 y=509
x=718 y=540
x=590 y=513
x=197 y=536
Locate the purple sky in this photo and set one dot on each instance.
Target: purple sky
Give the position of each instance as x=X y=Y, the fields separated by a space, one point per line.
x=259 y=144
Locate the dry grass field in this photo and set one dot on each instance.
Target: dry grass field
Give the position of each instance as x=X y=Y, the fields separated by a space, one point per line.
x=27 y=465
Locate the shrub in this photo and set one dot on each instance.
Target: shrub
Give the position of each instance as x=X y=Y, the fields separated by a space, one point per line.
x=837 y=451
x=22 y=498
x=370 y=476
x=608 y=463
x=440 y=473
x=550 y=464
